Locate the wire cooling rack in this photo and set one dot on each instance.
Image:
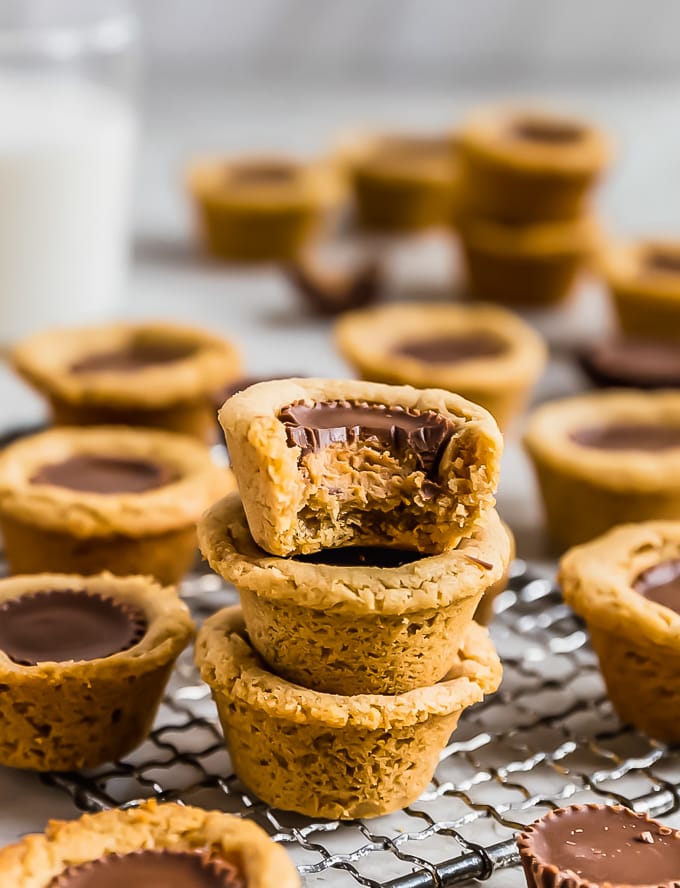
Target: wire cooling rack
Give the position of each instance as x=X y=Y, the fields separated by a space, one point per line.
x=549 y=737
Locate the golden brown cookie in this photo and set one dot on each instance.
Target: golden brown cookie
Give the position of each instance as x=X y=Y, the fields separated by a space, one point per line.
x=523 y=165
x=644 y=281
x=256 y=209
x=606 y=458
x=356 y=620
x=146 y=374
x=485 y=609
x=402 y=182
x=530 y=265
x=106 y=498
x=83 y=665
x=326 y=755
x=484 y=353
x=626 y=585
x=150 y=842
x=323 y=463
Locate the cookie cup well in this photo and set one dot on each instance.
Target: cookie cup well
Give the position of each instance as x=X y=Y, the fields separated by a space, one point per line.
x=357 y=629
x=175 y=395
x=65 y=715
x=50 y=528
x=524 y=180
x=368 y=340
x=358 y=494
x=585 y=490
x=637 y=640
x=38 y=858
x=327 y=755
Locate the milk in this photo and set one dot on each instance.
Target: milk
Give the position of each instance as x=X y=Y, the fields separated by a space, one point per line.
x=66 y=151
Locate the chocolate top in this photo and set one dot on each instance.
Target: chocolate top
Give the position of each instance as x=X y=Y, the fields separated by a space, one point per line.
x=628 y=436
x=315 y=426
x=551 y=132
x=151 y=869
x=105 y=474
x=133 y=357
x=67 y=624
x=361 y=556
x=636 y=363
x=661 y=583
x=604 y=845
x=452 y=349
x=663 y=260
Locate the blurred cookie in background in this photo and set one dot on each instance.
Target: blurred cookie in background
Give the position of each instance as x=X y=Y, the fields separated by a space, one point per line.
x=624 y=362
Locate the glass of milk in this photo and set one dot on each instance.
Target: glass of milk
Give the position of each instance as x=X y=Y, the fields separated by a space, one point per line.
x=67 y=140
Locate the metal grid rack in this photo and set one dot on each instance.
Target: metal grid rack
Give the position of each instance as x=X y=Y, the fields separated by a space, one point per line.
x=548 y=737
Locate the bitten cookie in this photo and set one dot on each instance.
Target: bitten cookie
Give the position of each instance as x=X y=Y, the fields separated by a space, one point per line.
x=152 y=844
x=324 y=463
x=626 y=585
x=83 y=664
x=326 y=755
x=357 y=620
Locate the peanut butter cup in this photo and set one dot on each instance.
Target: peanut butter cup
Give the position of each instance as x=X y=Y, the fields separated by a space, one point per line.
x=355 y=620
x=484 y=353
x=606 y=458
x=331 y=755
x=643 y=278
x=402 y=182
x=106 y=498
x=586 y=846
x=331 y=463
x=177 y=846
x=632 y=363
x=150 y=374
x=328 y=289
x=527 y=166
x=255 y=209
x=83 y=665
x=139 y=869
x=626 y=586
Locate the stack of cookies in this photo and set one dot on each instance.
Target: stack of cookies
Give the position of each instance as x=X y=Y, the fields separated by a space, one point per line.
x=362 y=542
x=525 y=224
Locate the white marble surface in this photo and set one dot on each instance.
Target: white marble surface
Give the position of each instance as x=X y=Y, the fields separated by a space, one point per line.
x=170 y=279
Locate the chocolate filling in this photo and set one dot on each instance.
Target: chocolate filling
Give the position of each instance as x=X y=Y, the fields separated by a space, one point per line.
x=105 y=474
x=628 y=436
x=661 y=584
x=551 y=132
x=133 y=357
x=315 y=426
x=361 y=556
x=151 y=869
x=601 y=845
x=59 y=625
x=636 y=363
x=450 y=349
x=264 y=173
x=663 y=260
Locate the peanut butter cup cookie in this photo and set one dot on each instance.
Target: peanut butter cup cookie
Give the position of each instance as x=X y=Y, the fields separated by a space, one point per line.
x=324 y=463
x=403 y=182
x=530 y=265
x=173 y=845
x=523 y=165
x=626 y=585
x=83 y=665
x=159 y=375
x=260 y=208
x=484 y=353
x=327 y=755
x=106 y=498
x=606 y=458
x=357 y=620
x=586 y=846
x=644 y=281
